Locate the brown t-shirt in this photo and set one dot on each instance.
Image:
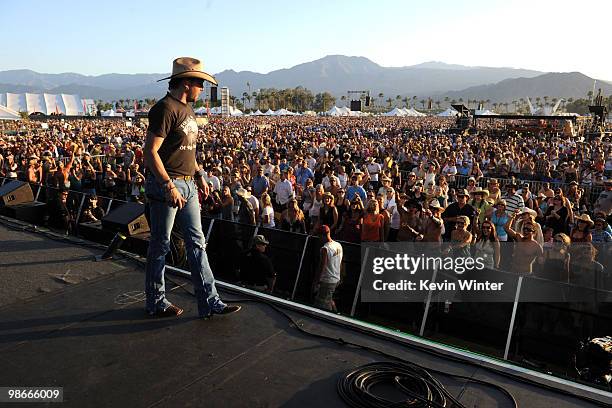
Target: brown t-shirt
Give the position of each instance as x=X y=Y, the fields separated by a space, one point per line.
x=176 y=123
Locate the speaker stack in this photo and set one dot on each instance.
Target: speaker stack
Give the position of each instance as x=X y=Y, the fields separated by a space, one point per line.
x=17 y=201
x=129 y=219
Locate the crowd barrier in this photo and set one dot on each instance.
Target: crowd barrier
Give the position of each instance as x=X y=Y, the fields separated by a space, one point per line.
x=516 y=330
x=590 y=191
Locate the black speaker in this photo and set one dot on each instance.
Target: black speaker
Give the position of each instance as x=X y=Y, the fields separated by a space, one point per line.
x=128 y=219
x=213 y=94
x=15 y=192
x=356 y=106
x=33 y=212
x=367 y=101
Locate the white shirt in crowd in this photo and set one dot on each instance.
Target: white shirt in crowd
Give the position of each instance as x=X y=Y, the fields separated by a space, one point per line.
x=216 y=184
x=331 y=272
x=374 y=169
x=269 y=211
x=284 y=191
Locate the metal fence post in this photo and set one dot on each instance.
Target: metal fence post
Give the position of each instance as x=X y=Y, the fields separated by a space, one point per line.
x=516 y=299
x=78 y=217
x=108 y=207
x=363 y=266
x=210 y=227
x=426 y=312
x=38 y=192
x=299 y=272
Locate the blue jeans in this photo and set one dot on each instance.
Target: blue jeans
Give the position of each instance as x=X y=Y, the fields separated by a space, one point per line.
x=162 y=218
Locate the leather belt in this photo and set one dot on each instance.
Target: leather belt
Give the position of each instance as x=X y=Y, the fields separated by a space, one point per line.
x=186 y=178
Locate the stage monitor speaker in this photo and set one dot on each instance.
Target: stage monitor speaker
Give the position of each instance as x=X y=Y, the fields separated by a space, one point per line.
x=213 y=94
x=356 y=106
x=128 y=219
x=367 y=101
x=15 y=193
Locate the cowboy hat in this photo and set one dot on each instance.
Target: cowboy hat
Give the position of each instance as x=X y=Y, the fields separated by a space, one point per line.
x=527 y=210
x=462 y=192
x=242 y=193
x=435 y=204
x=260 y=240
x=585 y=218
x=480 y=190
x=187 y=67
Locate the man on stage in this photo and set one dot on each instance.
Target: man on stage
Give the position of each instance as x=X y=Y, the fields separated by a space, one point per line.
x=173 y=180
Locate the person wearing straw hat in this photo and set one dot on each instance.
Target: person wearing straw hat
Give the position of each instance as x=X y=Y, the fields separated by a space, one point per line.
x=480 y=203
x=173 y=180
x=582 y=231
x=527 y=216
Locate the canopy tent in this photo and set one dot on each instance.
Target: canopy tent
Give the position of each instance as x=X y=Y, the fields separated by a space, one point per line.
x=484 y=112
x=47 y=104
x=257 y=113
x=283 y=112
x=336 y=111
x=413 y=112
x=448 y=113
x=396 y=112
x=8 y=114
x=232 y=111
x=269 y=112
x=111 y=113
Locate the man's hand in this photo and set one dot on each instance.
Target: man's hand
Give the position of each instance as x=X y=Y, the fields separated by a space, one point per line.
x=203 y=186
x=175 y=199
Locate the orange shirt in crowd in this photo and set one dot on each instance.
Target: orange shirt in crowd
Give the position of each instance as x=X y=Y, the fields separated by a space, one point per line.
x=372 y=224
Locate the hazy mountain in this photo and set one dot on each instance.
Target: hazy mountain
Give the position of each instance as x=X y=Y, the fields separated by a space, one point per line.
x=338 y=74
x=553 y=85
x=334 y=73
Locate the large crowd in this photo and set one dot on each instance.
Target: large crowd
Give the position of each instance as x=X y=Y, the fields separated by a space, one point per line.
x=368 y=179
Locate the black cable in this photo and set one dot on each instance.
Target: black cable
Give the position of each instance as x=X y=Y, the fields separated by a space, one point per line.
x=423 y=389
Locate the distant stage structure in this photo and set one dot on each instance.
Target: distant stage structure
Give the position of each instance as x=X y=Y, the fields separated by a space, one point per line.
x=48 y=104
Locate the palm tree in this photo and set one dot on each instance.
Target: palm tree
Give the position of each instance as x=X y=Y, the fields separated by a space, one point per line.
x=398 y=99
x=343 y=99
x=422 y=102
x=254 y=95
x=405 y=100
x=381 y=96
x=546 y=100
x=414 y=98
x=389 y=101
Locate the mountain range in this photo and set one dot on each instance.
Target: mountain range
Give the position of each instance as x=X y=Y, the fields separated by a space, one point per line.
x=334 y=73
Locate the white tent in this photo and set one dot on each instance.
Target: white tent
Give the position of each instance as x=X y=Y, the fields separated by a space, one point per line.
x=283 y=112
x=232 y=111
x=448 y=112
x=111 y=113
x=485 y=112
x=8 y=114
x=413 y=112
x=336 y=111
x=395 y=112
x=257 y=113
x=269 y=112
x=44 y=103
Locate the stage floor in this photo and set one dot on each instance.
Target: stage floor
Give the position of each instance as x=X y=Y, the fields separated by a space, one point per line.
x=86 y=331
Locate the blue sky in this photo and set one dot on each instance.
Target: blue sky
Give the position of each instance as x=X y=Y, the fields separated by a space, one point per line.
x=144 y=36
